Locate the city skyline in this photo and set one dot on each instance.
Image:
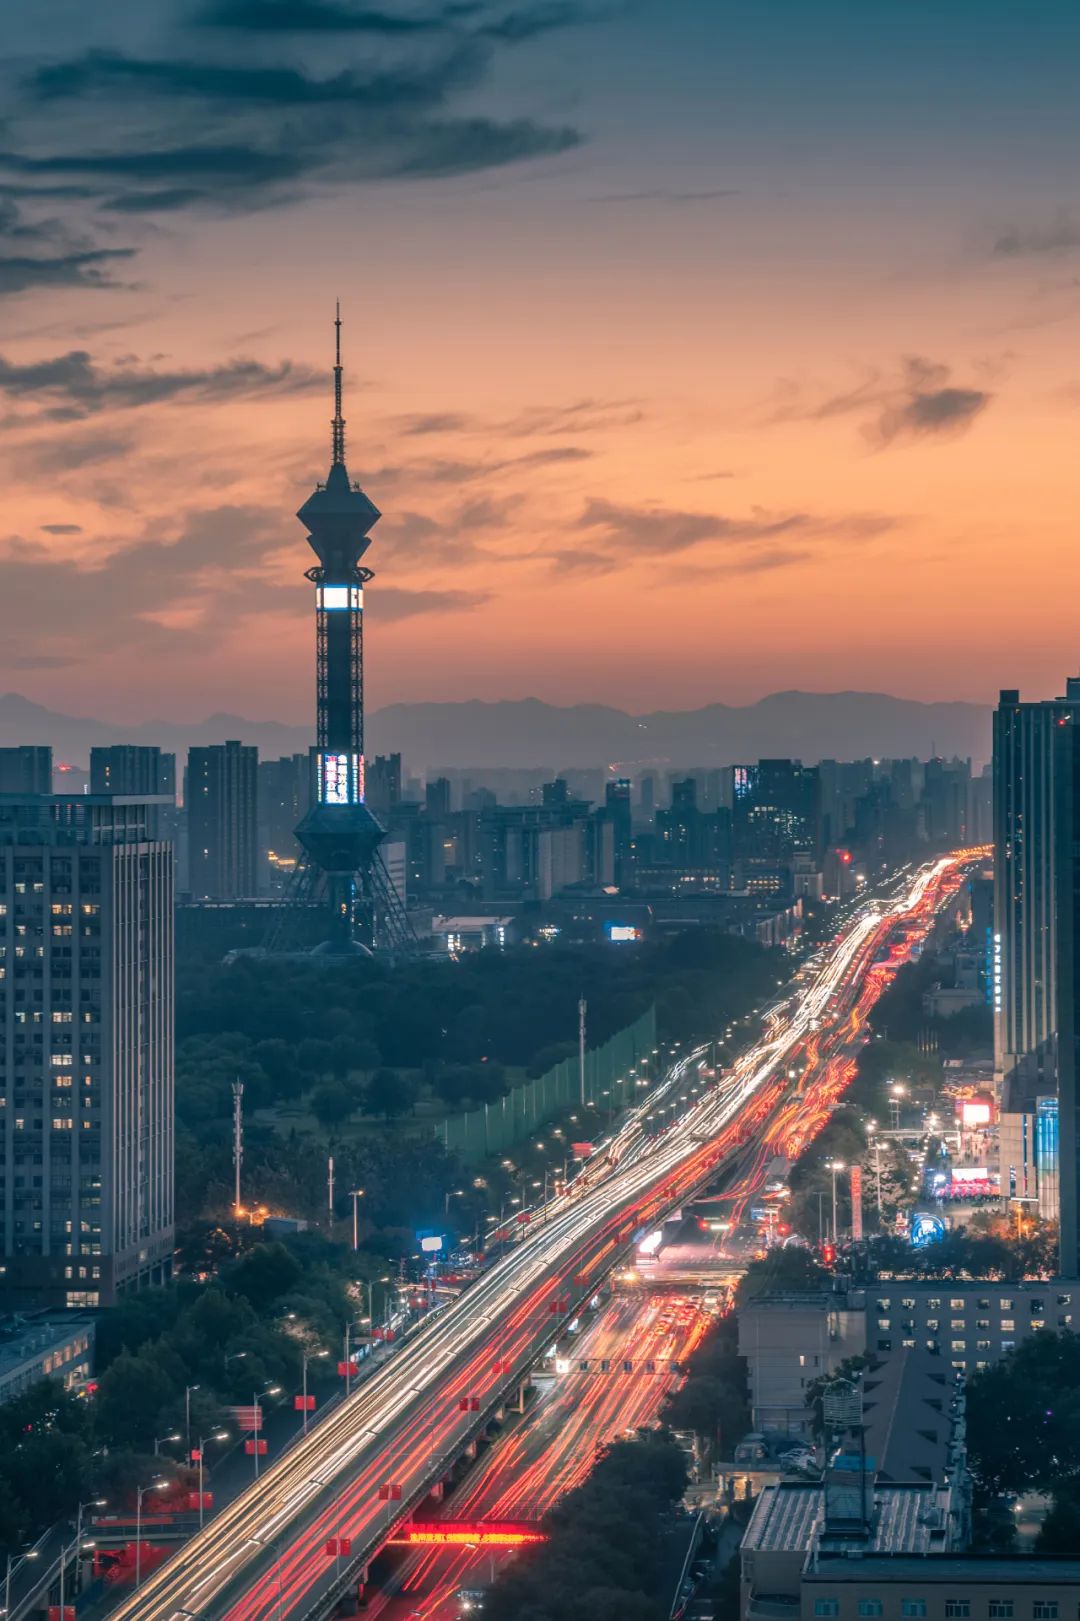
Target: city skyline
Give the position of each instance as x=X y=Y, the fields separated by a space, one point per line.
x=694 y=355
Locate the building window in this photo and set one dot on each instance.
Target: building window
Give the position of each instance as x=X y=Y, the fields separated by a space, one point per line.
x=1007 y=1345
x=957 y=1305
x=870 y=1606
x=1007 y=1325
x=884 y=1305
x=826 y=1606
x=982 y=1322
x=982 y=1345
x=957 y=1608
x=1044 y=1609
x=913 y=1606
x=933 y=1322
x=1036 y=1308
x=933 y=1305
x=1064 y=1300
x=959 y=1345
x=1006 y=1305
x=957 y=1322
x=1001 y=1609
x=884 y=1322
x=907 y=1304
x=884 y=1345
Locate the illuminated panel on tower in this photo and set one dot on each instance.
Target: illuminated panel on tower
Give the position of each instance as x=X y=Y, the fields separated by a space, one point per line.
x=341 y=779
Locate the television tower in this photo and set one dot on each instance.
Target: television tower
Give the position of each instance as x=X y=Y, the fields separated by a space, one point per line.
x=339 y=835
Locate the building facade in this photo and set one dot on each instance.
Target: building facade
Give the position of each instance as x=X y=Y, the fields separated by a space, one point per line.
x=86 y=1049
x=220 y=801
x=794 y=1338
x=1036 y=962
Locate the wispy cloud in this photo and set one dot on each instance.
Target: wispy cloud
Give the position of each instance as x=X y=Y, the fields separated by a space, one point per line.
x=919 y=402
x=74 y=385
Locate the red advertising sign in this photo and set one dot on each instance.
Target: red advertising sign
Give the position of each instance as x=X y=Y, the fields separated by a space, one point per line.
x=856 y=1203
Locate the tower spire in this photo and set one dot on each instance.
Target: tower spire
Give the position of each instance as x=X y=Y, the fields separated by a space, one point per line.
x=337 y=458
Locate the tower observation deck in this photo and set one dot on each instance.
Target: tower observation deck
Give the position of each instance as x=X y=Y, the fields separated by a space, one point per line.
x=339 y=835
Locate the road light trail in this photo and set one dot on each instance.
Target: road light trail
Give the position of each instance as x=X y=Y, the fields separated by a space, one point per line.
x=262 y=1558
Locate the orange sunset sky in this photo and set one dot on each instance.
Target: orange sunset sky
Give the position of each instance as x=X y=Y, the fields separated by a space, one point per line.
x=694 y=351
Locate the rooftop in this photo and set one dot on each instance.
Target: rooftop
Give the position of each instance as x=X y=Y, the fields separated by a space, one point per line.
x=22 y=1340
x=789 y=1516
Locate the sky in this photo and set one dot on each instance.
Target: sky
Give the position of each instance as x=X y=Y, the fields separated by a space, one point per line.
x=695 y=349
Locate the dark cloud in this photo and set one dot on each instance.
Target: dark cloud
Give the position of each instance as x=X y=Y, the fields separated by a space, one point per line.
x=311 y=17
x=434 y=422
x=110 y=75
x=92 y=268
x=67 y=452
x=1060 y=236
x=62 y=528
x=920 y=403
x=450 y=470
x=73 y=385
x=632 y=532
x=172 y=133
x=513 y=26
x=523 y=23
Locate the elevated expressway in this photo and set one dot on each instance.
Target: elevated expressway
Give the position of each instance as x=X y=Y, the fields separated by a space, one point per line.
x=264 y=1557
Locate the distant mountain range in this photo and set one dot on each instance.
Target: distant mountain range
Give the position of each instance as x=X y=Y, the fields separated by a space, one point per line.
x=528 y=734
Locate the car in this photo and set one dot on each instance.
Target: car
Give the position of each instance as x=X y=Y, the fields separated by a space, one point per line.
x=470 y=1600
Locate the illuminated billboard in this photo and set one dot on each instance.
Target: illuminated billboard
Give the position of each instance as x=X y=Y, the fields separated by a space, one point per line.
x=340 y=779
x=622 y=932
x=975 y=1112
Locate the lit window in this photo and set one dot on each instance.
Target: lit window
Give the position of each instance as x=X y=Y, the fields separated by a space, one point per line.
x=959 y=1345
x=1006 y=1305
x=958 y=1305
x=957 y=1322
x=1007 y=1325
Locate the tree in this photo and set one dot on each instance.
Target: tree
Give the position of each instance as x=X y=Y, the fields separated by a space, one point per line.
x=263 y=1275
x=780 y=1269
x=131 y=1396
x=332 y=1103
x=390 y=1094
x=1023 y=1417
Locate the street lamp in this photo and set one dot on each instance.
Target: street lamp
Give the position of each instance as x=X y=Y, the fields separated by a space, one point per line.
x=454 y=1193
x=218 y=1435
x=357 y=1195
x=187 y=1415
x=12 y=1564
x=896 y=1092
x=158 y=1439
x=256 y=1417
x=140 y=1493
x=834 y=1166
x=305 y=1358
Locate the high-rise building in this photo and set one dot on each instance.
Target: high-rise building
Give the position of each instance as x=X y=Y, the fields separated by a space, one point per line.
x=26 y=770
x=129 y=768
x=86 y=1049
x=776 y=815
x=1036 y=952
x=220 y=801
x=284 y=797
x=617 y=809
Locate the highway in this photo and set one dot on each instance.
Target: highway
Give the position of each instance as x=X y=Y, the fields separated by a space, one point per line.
x=264 y=1557
x=552 y=1448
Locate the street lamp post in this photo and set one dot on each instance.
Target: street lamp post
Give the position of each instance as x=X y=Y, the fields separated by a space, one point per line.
x=896 y=1092
x=187 y=1416
x=140 y=1493
x=256 y=1417
x=219 y=1435
x=835 y=1166
x=158 y=1439
x=306 y=1357
x=357 y=1195
x=12 y=1564
x=872 y=1128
